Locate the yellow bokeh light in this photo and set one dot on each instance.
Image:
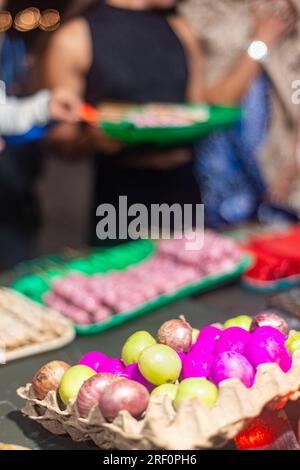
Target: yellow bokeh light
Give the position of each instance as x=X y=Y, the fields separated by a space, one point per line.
x=49 y=20
x=6 y=21
x=27 y=20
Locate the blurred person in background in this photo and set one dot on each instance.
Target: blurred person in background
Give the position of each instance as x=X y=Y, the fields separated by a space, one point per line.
x=142 y=51
x=137 y=52
x=20 y=164
x=251 y=163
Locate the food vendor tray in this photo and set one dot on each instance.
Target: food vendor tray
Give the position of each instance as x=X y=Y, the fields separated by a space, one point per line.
x=119 y=258
x=277 y=265
x=28 y=328
x=193 y=427
x=218 y=117
x=270 y=286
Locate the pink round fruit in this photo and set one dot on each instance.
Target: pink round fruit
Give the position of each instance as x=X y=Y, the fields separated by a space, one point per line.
x=264 y=348
x=207 y=339
x=197 y=364
x=182 y=356
x=112 y=366
x=232 y=365
x=93 y=360
x=233 y=339
x=269 y=331
x=132 y=372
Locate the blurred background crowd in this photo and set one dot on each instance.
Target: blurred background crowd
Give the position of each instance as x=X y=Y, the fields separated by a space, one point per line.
x=145 y=51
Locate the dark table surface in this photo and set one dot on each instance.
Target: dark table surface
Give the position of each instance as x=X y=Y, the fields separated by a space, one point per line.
x=213 y=306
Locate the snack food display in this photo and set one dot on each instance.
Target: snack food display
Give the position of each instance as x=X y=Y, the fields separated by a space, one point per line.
x=277 y=263
x=161 y=123
x=202 y=410
x=27 y=328
x=155 y=115
x=170 y=271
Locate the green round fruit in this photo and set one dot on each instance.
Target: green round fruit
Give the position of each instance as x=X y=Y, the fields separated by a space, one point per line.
x=160 y=364
x=72 y=381
x=135 y=345
x=165 y=389
x=293 y=343
x=201 y=388
x=243 y=321
x=195 y=334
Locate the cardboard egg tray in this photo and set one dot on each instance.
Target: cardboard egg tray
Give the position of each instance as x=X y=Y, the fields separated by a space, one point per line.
x=193 y=427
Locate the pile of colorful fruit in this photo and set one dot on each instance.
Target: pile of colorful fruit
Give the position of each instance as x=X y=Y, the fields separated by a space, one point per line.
x=181 y=362
x=94 y=299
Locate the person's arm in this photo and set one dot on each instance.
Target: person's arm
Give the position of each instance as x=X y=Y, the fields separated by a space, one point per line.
x=232 y=87
x=196 y=89
x=66 y=64
x=19 y=115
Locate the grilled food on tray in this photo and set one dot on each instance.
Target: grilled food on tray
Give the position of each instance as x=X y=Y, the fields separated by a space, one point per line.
x=28 y=328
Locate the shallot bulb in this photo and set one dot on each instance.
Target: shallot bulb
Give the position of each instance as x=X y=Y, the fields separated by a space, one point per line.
x=123 y=395
x=270 y=319
x=90 y=392
x=48 y=378
x=207 y=339
x=177 y=334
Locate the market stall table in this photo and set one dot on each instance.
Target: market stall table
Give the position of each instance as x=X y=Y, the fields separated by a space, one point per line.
x=214 y=306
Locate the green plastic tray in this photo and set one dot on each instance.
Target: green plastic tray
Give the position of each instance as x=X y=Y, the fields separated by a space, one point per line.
x=37 y=284
x=205 y=284
x=220 y=117
x=42 y=272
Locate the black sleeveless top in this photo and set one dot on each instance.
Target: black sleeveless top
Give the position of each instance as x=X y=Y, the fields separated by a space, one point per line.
x=137 y=57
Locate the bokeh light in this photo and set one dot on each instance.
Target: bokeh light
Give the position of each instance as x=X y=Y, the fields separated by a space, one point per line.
x=49 y=20
x=27 y=20
x=6 y=21
x=257 y=434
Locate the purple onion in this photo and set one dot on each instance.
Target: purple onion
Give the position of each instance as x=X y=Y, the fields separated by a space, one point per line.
x=90 y=392
x=270 y=319
x=177 y=334
x=123 y=395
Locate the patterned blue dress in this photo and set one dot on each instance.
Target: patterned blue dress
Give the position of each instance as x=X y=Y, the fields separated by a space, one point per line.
x=13 y=70
x=226 y=164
